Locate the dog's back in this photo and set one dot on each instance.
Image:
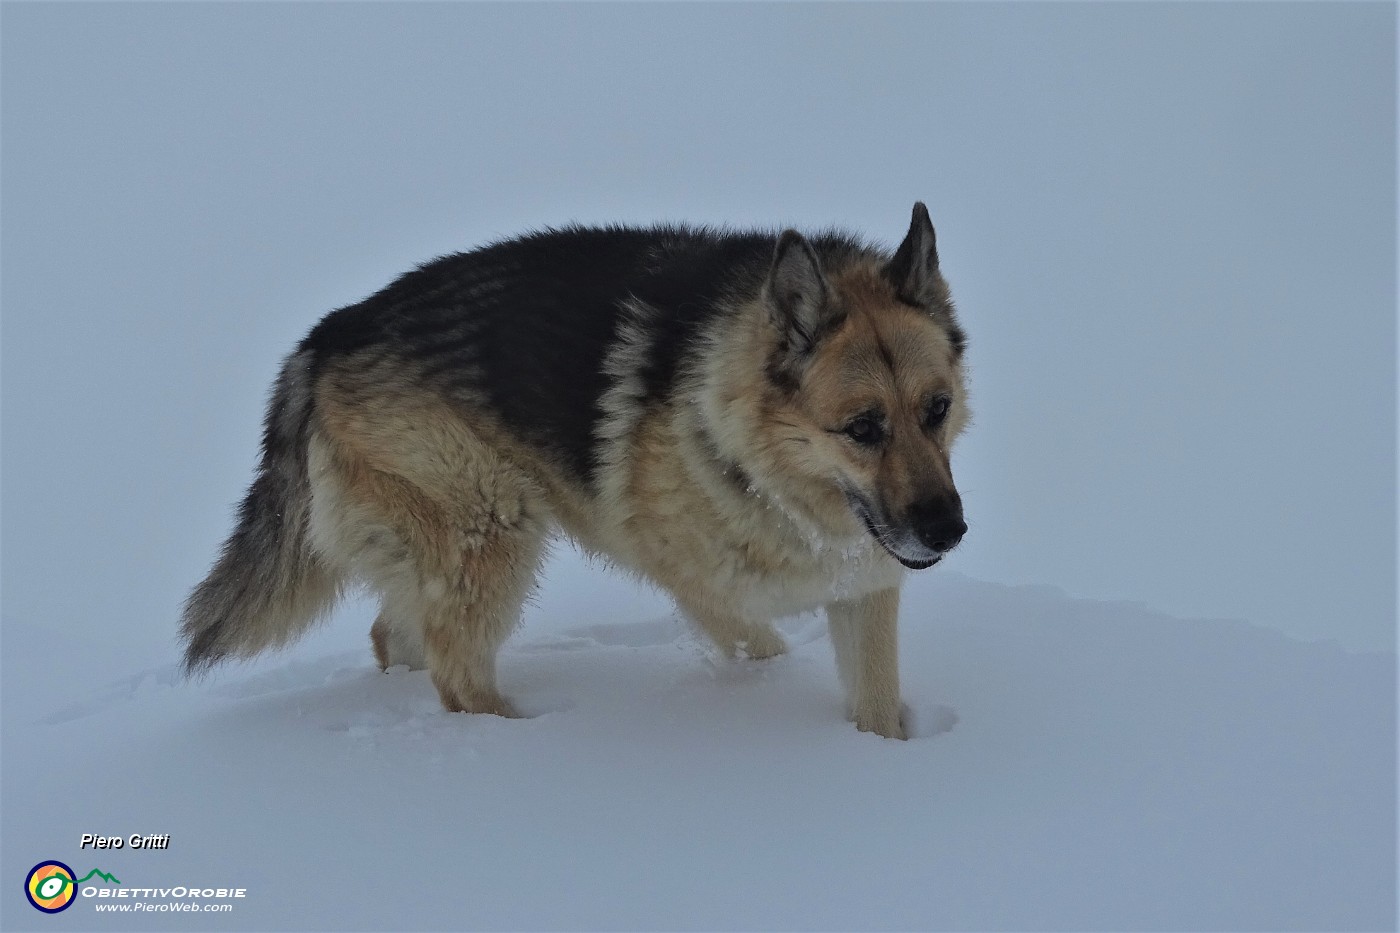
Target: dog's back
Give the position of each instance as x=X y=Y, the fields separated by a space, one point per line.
x=523 y=327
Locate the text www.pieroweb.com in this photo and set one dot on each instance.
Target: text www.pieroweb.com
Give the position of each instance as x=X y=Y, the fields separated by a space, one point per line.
x=163 y=906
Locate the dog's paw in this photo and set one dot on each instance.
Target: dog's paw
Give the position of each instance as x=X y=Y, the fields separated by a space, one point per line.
x=887 y=723
x=762 y=643
x=478 y=701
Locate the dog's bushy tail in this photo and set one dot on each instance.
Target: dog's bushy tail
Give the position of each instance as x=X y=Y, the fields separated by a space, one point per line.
x=267 y=586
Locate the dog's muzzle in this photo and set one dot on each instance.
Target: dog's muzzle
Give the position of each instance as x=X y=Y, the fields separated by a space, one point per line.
x=917 y=548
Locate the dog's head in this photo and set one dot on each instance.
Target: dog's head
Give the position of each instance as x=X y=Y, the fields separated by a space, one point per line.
x=869 y=391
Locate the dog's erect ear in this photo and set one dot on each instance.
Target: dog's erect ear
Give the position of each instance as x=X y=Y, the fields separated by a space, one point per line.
x=914 y=269
x=798 y=295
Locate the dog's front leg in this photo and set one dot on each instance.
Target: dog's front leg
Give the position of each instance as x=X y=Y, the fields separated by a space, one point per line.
x=865 y=635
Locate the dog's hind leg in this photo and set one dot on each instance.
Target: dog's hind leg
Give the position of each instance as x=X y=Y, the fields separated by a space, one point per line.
x=456 y=581
x=397 y=638
x=472 y=557
x=448 y=529
x=472 y=608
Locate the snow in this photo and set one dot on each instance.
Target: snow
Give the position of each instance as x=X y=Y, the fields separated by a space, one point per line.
x=1075 y=765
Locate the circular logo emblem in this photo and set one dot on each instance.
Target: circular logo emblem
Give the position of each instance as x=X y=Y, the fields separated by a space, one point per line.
x=50 y=887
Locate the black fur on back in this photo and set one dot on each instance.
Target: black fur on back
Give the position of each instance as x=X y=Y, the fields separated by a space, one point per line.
x=526 y=323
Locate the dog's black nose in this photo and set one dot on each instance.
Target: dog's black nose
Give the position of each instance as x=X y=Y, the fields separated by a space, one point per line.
x=939 y=525
x=943 y=536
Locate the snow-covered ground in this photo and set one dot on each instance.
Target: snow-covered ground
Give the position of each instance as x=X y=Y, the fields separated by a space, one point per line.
x=1075 y=765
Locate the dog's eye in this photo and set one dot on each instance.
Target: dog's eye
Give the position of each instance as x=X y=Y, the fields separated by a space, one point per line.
x=938 y=410
x=864 y=429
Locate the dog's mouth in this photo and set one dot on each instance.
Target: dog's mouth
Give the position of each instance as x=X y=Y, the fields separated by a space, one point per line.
x=861 y=509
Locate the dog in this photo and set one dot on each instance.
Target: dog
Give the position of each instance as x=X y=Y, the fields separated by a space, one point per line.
x=759 y=422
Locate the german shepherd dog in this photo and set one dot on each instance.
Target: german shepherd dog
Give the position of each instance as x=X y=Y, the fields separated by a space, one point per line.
x=759 y=422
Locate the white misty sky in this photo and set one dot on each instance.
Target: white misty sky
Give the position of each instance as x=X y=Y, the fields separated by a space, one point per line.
x=1170 y=230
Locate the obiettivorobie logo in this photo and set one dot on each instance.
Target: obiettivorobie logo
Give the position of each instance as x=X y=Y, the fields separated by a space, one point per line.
x=52 y=886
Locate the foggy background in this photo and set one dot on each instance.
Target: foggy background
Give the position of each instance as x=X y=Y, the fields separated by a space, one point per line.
x=1170 y=230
